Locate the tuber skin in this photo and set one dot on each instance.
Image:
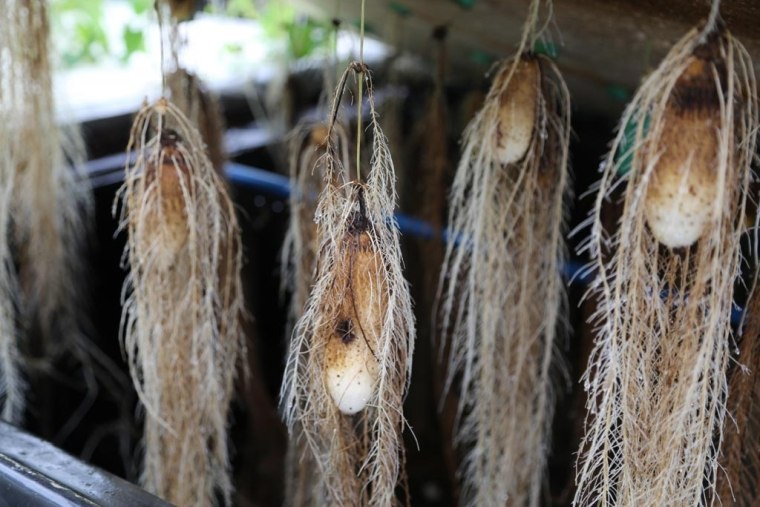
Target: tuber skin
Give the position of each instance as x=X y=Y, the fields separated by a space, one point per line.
x=168 y=217
x=517 y=111
x=351 y=368
x=680 y=196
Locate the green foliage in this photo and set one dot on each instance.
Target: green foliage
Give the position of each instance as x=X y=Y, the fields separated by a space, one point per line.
x=80 y=37
x=133 y=37
x=303 y=36
x=241 y=9
x=79 y=22
x=141 y=6
x=133 y=41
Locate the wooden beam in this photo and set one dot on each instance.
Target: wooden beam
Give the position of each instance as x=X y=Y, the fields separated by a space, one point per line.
x=604 y=47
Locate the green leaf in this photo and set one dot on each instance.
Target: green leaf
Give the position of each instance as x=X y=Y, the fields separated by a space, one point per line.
x=140 y=6
x=276 y=19
x=242 y=9
x=85 y=40
x=134 y=41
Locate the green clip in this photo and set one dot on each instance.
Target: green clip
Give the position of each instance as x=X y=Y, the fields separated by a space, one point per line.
x=624 y=154
x=400 y=9
x=465 y=4
x=482 y=57
x=546 y=49
x=619 y=93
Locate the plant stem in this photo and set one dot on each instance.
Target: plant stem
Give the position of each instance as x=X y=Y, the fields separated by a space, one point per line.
x=360 y=98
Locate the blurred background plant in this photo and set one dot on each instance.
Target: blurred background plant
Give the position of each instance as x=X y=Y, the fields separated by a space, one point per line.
x=298 y=35
x=83 y=33
x=94 y=32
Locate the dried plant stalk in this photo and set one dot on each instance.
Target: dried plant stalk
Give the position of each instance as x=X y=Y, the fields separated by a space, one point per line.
x=740 y=452
x=183 y=305
x=656 y=379
x=502 y=298
x=49 y=201
x=349 y=363
x=201 y=107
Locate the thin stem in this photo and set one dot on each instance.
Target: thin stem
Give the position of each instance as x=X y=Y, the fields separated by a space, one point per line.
x=157 y=7
x=335 y=62
x=713 y=18
x=531 y=31
x=360 y=98
x=439 y=34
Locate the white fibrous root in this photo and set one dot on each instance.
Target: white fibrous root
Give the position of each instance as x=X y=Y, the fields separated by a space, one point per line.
x=656 y=379
x=350 y=358
x=502 y=301
x=49 y=202
x=201 y=107
x=183 y=306
x=307 y=172
x=298 y=265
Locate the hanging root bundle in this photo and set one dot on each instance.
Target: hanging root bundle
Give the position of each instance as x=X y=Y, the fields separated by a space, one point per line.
x=49 y=202
x=308 y=143
x=740 y=453
x=307 y=172
x=350 y=358
x=181 y=322
x=656 y=379
x=298 y=265
x=391 y=117
x=199 y=105
x=502 y=295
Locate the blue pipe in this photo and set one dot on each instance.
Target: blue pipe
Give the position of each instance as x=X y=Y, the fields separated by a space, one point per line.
x=278 y=185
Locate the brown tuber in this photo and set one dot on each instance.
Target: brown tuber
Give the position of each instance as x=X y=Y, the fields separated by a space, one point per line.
x=682 y=190
x=167 y=220
x=517 y=110
x=351 y=369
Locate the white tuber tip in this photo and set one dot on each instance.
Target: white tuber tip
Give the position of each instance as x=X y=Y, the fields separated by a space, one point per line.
x=679 y=222
x=351 y=386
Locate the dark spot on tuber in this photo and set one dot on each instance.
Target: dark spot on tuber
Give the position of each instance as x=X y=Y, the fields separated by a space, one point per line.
x=346 y=331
